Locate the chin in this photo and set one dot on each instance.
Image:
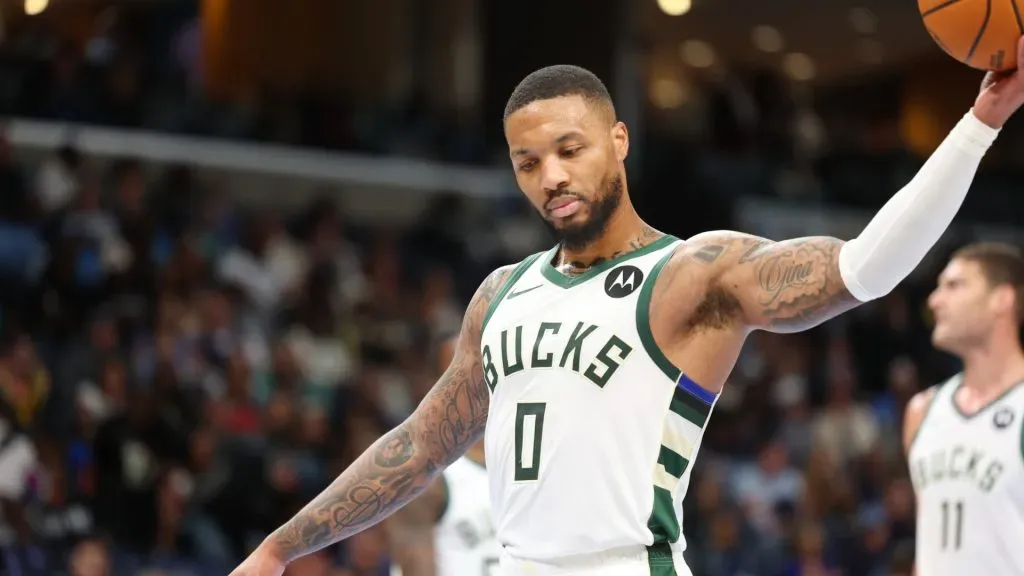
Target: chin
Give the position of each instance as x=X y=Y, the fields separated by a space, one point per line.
x=569 y=225
x=944 y=342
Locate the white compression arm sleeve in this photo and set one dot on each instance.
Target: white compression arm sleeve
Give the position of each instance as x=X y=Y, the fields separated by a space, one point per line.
x=912 y=221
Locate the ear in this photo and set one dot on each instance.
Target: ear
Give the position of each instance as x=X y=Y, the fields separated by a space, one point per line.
x=1003 y=299
x=620 y=139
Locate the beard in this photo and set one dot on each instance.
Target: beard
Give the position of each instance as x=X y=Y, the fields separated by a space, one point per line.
x=579 y=236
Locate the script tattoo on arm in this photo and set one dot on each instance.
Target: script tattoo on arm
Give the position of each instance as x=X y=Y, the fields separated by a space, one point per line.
x=785 y=286
x=403 y=462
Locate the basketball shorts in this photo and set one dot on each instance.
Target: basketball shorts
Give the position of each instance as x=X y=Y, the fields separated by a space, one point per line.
x=627 y=562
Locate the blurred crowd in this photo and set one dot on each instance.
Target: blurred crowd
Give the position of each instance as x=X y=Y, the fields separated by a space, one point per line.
x=178 y=375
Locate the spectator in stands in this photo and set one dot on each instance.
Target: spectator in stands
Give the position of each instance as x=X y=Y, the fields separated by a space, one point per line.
x=764 y=487
x=18 y=461
x=90 y=557
x=57 y=180
x=847 y=429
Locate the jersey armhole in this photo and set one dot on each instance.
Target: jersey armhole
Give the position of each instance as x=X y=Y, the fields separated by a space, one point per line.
x=938 y=388
x=445 y=499
x=643 y=321
x=517 y=273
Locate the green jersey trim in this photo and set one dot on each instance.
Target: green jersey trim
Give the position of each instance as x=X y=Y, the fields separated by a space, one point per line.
x=983 y=409
x=643 y=322
x=514 y=277
x=659 y=560
x=563 y=281
x=1022 y=439
x=686 y=417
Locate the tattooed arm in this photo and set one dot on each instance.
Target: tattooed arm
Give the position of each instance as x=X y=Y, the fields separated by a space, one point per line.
x=403 y=462
x=780 y=286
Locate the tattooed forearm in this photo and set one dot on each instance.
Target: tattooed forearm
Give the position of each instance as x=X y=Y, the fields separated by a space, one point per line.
x=385 y=477
x=402 y=463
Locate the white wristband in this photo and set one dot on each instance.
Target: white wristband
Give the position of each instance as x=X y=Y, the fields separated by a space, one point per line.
x=973 y=135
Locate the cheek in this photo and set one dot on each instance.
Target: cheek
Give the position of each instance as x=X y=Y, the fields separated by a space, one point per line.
x=529 y=186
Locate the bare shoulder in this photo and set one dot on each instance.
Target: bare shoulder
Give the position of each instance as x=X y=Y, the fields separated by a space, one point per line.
x=481 y=301
x=706 y=256
x=721 y=247
x=914 y=415
x=688 y=291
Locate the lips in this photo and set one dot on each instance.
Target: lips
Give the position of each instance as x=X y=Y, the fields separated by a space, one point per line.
x=563 y=206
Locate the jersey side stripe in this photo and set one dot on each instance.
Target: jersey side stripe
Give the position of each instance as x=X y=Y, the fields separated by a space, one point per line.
x=688 y=407
x=687 y=413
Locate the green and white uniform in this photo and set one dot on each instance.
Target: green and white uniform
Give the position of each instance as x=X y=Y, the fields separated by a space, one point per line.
x=464 y=538
x=591 y=430
x=968 y=473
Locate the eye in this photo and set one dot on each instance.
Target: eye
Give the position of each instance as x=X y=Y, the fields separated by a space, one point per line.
x=570 y=152
x=527 y=166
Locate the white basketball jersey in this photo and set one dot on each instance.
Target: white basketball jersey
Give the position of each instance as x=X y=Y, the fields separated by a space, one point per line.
x=968 y=473
x=591 y=429
x=465 y=542
x=464 y=539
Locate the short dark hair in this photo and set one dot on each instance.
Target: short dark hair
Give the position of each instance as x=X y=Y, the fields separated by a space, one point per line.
x=556 y=81
x=1001 y=264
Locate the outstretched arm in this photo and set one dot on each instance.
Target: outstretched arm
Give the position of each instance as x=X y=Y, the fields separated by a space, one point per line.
x=797 y=284
x=403 y=462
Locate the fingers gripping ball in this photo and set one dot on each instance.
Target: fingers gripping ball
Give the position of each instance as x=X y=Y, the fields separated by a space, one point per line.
x=980 y=33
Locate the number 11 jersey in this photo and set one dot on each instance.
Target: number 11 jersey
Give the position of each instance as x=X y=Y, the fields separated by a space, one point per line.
x=968 y=474
x=591 y=431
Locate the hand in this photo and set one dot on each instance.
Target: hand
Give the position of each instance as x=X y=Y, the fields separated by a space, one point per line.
x=1002 y=93
x=262 y=562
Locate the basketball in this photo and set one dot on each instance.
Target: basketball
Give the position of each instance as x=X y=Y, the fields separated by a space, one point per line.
x=980 y=33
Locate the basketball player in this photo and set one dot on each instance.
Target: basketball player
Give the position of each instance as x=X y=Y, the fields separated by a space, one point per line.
x=594 y=366
x=964 y=437
x=448 y=530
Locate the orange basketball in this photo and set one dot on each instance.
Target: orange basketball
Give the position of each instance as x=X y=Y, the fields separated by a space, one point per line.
x=980 y=33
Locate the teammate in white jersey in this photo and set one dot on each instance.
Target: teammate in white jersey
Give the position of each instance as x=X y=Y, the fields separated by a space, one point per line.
x=448 y=530
x=964 y=437
x=594 y=366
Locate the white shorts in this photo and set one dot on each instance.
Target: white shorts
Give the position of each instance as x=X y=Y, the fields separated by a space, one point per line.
x=626 y=562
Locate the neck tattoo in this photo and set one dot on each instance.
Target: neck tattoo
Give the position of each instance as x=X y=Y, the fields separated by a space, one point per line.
x=577 y=267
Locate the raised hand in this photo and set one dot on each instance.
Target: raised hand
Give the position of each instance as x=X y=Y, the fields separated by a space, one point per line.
x=1002 y=93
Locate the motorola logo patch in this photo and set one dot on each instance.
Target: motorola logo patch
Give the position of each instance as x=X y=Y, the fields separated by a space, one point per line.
x=1002 y=418
x=623 y=281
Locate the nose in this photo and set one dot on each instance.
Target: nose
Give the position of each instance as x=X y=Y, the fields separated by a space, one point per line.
x=554 y=176
x=934 y=300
